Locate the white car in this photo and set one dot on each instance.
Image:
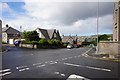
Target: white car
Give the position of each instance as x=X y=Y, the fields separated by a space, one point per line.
x=69 y=46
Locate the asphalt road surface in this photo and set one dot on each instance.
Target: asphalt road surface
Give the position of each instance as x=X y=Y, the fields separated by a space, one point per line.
x=55 y=63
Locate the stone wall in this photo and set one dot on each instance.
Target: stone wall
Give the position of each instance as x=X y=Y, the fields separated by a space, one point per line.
x=28 y=46
x=109 y=47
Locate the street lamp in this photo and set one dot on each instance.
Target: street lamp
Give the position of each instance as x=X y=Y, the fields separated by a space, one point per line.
x=97 y=24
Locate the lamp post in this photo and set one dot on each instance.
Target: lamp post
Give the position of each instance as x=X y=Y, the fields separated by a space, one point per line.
x=97 y=24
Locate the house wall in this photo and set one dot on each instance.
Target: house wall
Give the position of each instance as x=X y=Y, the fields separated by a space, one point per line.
x=40 y=34
x=116 y=23
x=4 y=37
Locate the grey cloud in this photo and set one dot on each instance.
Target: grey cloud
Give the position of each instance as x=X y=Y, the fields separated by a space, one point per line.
x=71 y=12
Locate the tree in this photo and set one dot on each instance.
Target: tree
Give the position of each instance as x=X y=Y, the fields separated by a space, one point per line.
x=103 y=37
x=30 y=36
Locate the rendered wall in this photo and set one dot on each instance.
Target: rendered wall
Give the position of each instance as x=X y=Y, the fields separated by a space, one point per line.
x=109 y=47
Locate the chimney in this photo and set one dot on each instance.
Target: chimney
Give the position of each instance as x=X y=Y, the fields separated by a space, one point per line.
x=7 y=26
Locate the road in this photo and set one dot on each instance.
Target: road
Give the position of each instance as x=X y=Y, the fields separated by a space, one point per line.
x=55 y=63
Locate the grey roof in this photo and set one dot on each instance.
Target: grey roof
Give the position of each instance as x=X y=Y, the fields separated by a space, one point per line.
x=44 y=32
x=50 y=33
x=10 y=30
x=4 y=29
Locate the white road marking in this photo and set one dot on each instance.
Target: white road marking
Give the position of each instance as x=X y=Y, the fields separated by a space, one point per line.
x=87 y=67
x=64 y=58
x=46 y=62
x=24 y=69
x=4 y=70
x=62 y=74
x=5 y=74
x=53 y=63
x=76 y=77
x=36 y=64
x=56 y=72
x=41 y=65
x=20 y=67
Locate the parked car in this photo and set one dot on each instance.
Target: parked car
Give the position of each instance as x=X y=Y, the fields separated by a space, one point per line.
x=17 y=42
x=69 y=46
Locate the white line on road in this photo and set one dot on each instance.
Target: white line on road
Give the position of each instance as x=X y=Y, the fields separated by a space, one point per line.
x=56 y=72
x=4 y=70
x=62 y=74
x=87 y=67
x=41 y=65
x=64 y=58
x=20 y=67
x=36 y=64
x=77 y=77
x=53 y=63
x=5 y=74
x=24 y=69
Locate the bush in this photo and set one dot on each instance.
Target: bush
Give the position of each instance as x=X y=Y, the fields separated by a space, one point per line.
x=43 y=41
x=58 y=43
x=86 y=43
x=26 y=42
x=51 y=42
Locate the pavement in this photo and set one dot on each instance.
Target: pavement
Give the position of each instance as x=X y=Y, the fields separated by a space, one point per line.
x=96 y=55
x=55 y=64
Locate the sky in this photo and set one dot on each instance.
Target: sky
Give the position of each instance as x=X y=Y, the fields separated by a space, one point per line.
x=70 y=18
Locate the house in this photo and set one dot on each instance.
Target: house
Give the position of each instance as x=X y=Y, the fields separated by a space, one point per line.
x=69 y=39
x=49 y=34
x=9 y=34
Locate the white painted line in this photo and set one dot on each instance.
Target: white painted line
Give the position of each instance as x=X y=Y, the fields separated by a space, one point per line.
x=64 y=58
x=41 y=65
x=87 y=67
x=53 y=63
x=20 y=67
x=77 y=77
x=36 y=64
x=5 y=74
x=4 y=70
x=24 y=69
x=56 y=72
x=62 y=74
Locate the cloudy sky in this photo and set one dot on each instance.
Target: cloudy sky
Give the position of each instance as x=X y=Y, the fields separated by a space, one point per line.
x=68 y=17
